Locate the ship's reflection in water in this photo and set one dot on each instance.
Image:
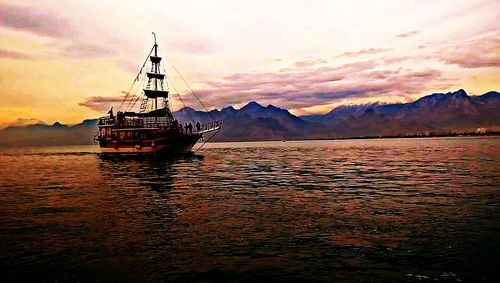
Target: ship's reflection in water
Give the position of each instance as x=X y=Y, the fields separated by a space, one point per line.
x=387 y=210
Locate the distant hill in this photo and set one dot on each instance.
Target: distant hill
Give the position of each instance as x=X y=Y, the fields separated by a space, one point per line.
x=254 y=122
x=437 y=113
x=21 y=122
x=56 y=134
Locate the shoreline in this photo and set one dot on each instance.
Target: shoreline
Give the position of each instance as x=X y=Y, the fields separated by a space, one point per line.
x=490 y=134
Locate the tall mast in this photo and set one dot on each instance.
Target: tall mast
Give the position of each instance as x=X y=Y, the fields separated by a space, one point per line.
x=156 y=71
x=155 y=86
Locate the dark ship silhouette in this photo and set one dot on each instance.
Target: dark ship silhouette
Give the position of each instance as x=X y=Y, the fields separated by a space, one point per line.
x=153 y=129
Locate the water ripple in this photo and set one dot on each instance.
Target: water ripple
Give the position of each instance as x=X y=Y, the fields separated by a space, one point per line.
x=364 y=210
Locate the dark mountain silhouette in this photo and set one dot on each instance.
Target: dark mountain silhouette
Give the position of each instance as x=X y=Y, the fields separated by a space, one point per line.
x=55 y=134
x=253 y=122
x=21 y=122
x=437 y=113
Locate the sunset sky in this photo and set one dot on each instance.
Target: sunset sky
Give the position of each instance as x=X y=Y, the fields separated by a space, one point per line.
x=70 y=60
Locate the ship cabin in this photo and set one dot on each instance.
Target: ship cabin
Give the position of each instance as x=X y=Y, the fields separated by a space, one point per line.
x=133 y=127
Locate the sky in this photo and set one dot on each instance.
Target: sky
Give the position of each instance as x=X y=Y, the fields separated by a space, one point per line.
x=71 y=60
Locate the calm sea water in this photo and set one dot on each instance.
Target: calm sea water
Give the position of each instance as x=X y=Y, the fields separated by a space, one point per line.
x=354 y=210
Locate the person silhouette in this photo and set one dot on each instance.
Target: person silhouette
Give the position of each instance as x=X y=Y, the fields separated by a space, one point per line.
x=198 y=126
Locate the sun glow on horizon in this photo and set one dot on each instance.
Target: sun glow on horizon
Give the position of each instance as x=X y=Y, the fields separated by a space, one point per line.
x=305 y=56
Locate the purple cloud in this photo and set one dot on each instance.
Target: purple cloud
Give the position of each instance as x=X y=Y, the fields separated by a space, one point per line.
x=299 y=88
x=31 y=19
x=408 y=34
x=104 y=103
x=14 y=55
x=309 y=62
x=86 y=50
x=484 y=52
x=364 y=52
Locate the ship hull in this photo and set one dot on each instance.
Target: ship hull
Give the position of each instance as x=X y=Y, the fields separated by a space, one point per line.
x=165 y=146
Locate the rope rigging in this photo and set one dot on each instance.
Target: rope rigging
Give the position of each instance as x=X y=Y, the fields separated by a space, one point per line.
x=180 y=98
x=132 y=99
x=175 y=69
x=130 y=105
x=136 y=79
x=207 y=140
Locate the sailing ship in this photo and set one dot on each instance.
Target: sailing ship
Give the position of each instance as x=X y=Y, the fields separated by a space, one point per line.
x=152 y=129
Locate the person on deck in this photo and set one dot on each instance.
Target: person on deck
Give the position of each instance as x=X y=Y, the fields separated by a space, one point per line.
x=175 y=125
x=190 y=127
x=110 y=112
x=198 y=126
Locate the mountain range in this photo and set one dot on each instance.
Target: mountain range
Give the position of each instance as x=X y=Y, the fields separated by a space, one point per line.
x=437 y=113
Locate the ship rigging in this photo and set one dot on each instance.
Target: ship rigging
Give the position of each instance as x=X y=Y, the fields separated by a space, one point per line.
x=152 y=129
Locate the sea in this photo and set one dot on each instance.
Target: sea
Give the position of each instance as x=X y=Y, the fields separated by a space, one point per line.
x=378 y=210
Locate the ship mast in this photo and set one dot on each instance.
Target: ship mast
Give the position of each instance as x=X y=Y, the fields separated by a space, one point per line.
x=155 y=86
x=156 y=71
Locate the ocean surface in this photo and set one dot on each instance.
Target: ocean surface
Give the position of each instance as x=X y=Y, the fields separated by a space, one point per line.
x=349 y=211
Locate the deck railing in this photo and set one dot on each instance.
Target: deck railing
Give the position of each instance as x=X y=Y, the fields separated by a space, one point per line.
x=135 y=123
x=207 y=127
x=211 y=126
x=161 y=124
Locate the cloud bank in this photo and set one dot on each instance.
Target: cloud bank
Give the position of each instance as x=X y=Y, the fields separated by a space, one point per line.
x=478 y=53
